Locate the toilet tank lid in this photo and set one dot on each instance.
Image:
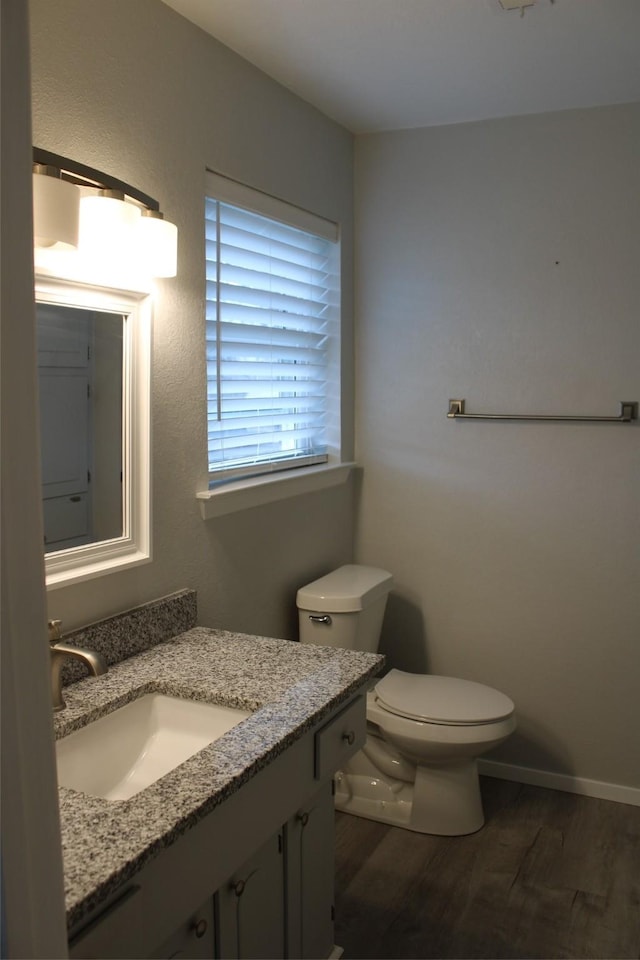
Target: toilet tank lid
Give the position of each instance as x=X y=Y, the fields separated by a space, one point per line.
x=346 y=590
x=447 y=700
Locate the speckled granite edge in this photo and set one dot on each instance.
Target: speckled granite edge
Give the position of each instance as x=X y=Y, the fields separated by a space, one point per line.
x=289 y=686
x=127 y=634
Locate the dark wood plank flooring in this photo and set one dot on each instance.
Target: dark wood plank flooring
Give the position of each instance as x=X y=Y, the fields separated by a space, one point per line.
x=550 y=875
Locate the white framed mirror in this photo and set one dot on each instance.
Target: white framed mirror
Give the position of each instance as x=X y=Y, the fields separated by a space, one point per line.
x=94 y=347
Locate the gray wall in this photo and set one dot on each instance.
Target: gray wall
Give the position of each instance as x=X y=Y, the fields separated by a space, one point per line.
x=137 y=91
x=498 y=262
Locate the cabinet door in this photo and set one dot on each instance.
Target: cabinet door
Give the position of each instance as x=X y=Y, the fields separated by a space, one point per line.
x=310 y=873
x=194 y=939
x=249 y=909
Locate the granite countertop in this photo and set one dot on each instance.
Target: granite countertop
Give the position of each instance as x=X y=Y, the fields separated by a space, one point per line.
x=290 y=687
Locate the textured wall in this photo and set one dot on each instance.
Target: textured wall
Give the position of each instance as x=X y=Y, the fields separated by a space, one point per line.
x=137 y=91
x=498 y=262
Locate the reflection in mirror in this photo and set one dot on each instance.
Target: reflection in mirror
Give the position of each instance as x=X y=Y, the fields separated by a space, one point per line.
x=80 y=359
x=94 y=383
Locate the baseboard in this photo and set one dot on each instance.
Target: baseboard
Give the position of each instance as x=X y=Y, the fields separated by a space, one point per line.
x=560 y=781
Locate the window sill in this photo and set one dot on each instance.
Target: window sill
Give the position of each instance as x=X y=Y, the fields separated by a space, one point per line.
x=257 y=491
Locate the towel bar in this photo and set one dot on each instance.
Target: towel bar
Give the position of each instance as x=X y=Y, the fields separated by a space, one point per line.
x=628 y=413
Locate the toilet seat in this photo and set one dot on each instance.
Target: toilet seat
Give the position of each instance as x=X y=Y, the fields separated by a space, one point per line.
x=441 y=700
x=409 y=734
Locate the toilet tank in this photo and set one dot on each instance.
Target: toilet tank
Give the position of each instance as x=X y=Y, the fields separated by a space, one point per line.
x=344 y=608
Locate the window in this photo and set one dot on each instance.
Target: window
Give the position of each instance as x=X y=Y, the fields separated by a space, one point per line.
x=272 y=333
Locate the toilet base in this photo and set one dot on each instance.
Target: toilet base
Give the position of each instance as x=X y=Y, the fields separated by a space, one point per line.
x=366 y=797
x=443 y=801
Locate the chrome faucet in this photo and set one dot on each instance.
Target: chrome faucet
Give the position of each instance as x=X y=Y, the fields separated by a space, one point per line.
x=59 y=650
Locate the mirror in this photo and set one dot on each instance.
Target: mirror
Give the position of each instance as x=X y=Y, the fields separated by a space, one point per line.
x=80 y=363
x=93 y=372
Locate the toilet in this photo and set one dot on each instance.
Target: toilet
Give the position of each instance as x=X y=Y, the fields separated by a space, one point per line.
x=418 y=767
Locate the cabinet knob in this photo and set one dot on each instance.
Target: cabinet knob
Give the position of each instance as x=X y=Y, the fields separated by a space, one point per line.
x=349 y=737
x=200 y=928
x=303 y=818
x=238 y=887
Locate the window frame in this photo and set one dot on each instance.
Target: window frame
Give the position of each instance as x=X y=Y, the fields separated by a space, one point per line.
x=233 y=193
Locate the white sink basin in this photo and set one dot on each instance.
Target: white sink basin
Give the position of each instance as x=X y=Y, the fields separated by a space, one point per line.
x=118 y=755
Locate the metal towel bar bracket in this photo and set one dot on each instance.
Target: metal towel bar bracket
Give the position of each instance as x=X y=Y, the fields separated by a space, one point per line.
x=628 y=413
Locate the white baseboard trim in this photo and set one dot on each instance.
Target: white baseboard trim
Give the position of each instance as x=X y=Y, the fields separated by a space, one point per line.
x=560 y=781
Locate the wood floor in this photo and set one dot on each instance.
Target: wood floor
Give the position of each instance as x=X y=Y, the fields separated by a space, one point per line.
x=550 y=875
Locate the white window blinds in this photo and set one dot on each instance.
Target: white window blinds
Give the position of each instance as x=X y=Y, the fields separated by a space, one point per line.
x=271 y=310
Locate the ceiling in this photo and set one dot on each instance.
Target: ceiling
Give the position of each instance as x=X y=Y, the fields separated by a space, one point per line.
x=390 y=64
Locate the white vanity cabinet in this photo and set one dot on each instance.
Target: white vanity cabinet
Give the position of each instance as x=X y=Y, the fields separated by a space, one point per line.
x=250 y=907
x=280 y=902
x=310 y=871
x=251 y=879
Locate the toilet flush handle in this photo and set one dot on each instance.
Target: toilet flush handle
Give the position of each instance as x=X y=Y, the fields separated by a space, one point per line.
x=325 y=619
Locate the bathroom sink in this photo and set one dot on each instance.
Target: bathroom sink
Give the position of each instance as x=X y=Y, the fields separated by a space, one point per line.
x=118 y=755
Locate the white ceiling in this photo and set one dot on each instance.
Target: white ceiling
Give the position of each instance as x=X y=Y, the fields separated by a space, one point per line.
x=389 y=64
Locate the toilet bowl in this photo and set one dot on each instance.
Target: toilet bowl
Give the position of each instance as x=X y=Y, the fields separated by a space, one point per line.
x=418 y=767
x=423 y=742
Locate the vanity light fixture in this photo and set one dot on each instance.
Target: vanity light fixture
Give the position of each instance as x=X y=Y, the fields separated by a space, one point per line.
x=158 y=243
x=56 y=208
x=116 y=222
x=107 y=224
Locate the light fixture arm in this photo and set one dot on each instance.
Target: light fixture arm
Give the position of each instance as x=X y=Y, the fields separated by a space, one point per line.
x=82 y=175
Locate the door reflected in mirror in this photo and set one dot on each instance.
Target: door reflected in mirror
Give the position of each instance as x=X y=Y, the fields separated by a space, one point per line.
x=93 y=348
x=80 y=361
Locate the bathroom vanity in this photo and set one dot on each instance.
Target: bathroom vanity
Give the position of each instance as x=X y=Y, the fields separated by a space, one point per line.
x=231 y=853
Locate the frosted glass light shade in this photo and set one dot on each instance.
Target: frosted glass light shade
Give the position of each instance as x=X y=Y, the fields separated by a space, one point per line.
x=157 y=245
x=107 y=229
x=56 y=205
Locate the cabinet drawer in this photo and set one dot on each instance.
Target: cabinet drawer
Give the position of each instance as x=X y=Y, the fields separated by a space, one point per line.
x=340 y=738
